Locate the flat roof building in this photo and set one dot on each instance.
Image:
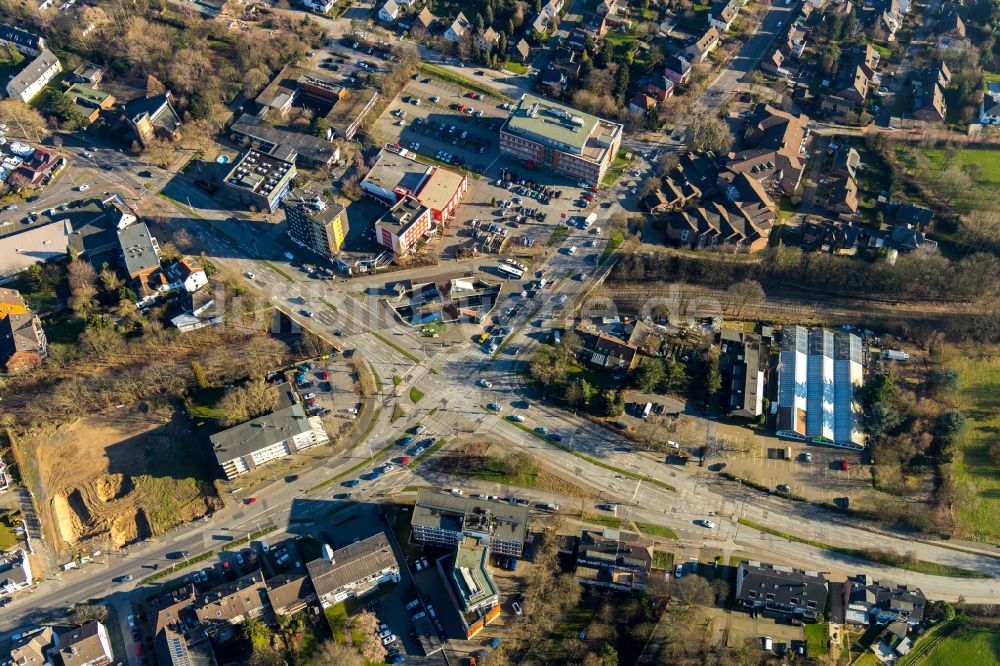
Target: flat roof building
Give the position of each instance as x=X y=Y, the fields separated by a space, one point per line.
x=316 y=223
x=347 y=114
x=442 y=192
x=276 y=435
x=570 y=142
x=445 y=519
x=470 y=585
x=259 y=180
x=401 y=227
x=818 y=373
x=353 y=570
x=743 y=362
x=397 y=174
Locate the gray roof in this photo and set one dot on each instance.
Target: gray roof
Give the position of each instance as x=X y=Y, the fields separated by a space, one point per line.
x=547 y=122
x=81 y=645
x=32 y=72
x=22 y=38
x=284 y=144
x=780 y=588
x=260 y=433
x=351 y=563
x=138 y=248
x=503 y=521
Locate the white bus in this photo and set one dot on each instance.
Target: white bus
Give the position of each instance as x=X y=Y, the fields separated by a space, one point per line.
x=647 y=410
x=510 y=271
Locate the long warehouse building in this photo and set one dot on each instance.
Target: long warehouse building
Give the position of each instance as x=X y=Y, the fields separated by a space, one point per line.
x=818 y=374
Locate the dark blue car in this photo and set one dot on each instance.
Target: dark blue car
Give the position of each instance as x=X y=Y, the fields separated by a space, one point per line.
x=353 y=483
x=555 y=438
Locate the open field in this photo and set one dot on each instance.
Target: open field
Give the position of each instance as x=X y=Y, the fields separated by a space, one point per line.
x=117 y=477
x=968 y=177
x=979 y=396
x=964 y=645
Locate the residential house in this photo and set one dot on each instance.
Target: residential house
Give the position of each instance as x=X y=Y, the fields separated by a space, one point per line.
x=523 y=51
x=34 y=76
x=199 y=311
x=742 y=220
x=883 y=602
x=913 y=215
x=774 y=63
x=548 y=17
x=775 y=153
x=36 y=170
x=989 y=108
x=32 y=649
x=89 y=101
x=152 y=118
x=458 y=28
x=565 y=61
x=657 y=86
x=780 y=590
x=187 y=274
x=140 y=254
x=279 y=434
x=15 y=571
x=488 y=39
x=319 y=6
x=843 y=198
x=424 y=19
x=315 y=223
x=908 y=238
x=354 y=570
x=721 y=16
x=224 y=606
x=850 y=87
x=675 y=192
x=703 y=46
x=88 y=74
x=86 y=645
x=612 y=7
x=641 y=103
x=608 y=351
x=22 y=341
x=950 y=31
x=24 y=41
x=445 y=520
x=929 y=104
x=389 y=12
x=677 y=69
x=831 y=236
x=290 y=593
x=614 y=559
x=593 y=25
x=845 y=161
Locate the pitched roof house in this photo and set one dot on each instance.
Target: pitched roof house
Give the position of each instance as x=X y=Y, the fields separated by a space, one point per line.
x=187 y=274
x=722 y=16
x=989 y=108
x=389 y=12
x=425 y=19
x=929 y=103
x=523 y=50
x=488 y=39
x=153 y=117
x=845 y=161
x=641 y=103
x=26 y=42
x=776 y=151
x=843 y=198
x=704 y=45
x=34 y=76
x=87 y=645
x=677 y=69
x=458 y=28
x=22 y=341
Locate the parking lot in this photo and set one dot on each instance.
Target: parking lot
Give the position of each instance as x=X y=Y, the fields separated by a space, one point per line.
x=326 y=388
x=432 y=109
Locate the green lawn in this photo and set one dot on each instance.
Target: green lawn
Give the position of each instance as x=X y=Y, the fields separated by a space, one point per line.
x=396 y=380
x=202 y=404
x=616 y=239
x=991 y=77
x=984 y=159
x=968 y=645
x=337 y=616
x=979 y=396
x=416 y=395
x=515 y=67
x=599 y=519
x=524 y=474
x=559 y=234
x=816 y=634
x=617 y=168
x=7 y=537
x=656 y=530
x=448 y=76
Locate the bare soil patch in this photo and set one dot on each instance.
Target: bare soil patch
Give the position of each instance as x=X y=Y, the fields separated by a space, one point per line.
x=119 y=476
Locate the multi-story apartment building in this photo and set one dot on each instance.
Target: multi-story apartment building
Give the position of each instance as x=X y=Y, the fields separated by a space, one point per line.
x=445 y=519
x=266 y=438
x=316 y=223
x=402 y=226
x=260 y=180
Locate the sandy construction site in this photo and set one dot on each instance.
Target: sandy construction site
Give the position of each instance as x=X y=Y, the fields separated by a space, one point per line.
x=120 y=476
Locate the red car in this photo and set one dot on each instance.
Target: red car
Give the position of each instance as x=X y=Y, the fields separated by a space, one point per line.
x=138 y=650
x=592 y=188
x=324 y=374
x=250 y=500
x=844 y=465
x=405 y=460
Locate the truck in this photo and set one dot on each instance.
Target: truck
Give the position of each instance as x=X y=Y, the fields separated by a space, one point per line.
x=589 y=221
x=895 y=355
x=647 y=409
x=788 y=453
x=555 y=337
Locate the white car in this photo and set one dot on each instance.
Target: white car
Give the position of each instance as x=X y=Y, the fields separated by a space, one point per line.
x=309 y=396
x=385 y=634
x=517 y=418
x=704 y=522
x=88 y=154
x=485 y=383
x=83 y=188
x=389 y=640
x=456 y=491
x=250 y=275
x=517 y=609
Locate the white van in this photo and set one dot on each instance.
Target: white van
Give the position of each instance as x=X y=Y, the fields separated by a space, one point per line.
x=572 y=250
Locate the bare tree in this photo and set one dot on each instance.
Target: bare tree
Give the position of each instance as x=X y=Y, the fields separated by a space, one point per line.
x=246 y=402
x=82 y=284
x=29 y=121
x=744 y=294
x=708 y=132
x=332 y=653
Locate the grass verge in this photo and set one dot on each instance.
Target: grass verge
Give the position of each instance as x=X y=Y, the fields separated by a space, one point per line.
x=397 y=413
x=656 y=530
x=277 y=270
x=376 y=377
x=433 y=448
x=559 y=234
x=515 y=67
x=416 y=395
x=327 y=303
x=448 y=76
x=881 y=557
x=616 y=239
x=598 y=519
x=392 y=344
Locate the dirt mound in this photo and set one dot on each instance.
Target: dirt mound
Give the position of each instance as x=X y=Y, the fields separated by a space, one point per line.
x=128 y=528
x=67 y=522
x=111 y=487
